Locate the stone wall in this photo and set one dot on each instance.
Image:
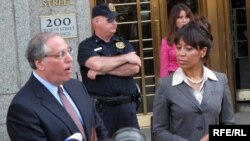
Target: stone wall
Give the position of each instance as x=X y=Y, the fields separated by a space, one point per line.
x=19 y=21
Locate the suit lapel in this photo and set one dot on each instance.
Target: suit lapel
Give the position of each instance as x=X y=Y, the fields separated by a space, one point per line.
x=208 y=87
x=183 y=87
x=52 y=105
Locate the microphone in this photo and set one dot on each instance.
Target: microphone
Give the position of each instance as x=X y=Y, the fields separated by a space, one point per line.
x=75 y=137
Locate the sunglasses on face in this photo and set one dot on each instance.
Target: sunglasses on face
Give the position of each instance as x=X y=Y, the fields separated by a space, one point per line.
x=110 y=20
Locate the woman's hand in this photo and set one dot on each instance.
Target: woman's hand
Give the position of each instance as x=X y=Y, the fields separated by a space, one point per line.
x=205 y=138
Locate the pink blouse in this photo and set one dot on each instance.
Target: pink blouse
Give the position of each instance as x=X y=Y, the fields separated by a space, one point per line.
x=168 y=62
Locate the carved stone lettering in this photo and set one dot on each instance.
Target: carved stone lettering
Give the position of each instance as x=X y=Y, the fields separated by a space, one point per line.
x=48 y=3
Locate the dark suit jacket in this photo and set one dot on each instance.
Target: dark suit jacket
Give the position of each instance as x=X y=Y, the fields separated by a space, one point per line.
x=35 y=115
x=179 y=117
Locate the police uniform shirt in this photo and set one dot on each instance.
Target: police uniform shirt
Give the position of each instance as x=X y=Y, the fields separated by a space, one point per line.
x=105 y=85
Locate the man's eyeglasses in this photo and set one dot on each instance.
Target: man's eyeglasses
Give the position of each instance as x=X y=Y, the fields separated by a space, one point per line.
x=60 y=54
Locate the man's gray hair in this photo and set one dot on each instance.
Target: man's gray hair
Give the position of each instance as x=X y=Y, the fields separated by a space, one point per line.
x=37 y=49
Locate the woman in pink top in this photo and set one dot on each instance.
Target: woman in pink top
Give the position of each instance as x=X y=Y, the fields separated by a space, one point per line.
x=180 y=15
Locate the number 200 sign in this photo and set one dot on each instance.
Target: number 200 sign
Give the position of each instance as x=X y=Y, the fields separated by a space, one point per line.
x=65 y=25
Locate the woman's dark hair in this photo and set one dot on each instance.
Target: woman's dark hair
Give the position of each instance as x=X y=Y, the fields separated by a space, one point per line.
x=196 y=34
x=174 y=14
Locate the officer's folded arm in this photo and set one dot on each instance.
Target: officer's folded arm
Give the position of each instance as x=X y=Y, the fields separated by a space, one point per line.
x=105 y=64
x=125 y=70
x=92 y=74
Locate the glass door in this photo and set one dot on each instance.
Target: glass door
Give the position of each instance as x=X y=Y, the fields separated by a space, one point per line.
x=240 y=44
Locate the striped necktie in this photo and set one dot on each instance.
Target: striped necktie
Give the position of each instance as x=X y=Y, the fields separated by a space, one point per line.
x=71 y=111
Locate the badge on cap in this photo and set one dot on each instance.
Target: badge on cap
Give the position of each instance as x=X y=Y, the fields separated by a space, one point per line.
x=120 y=45
x=111 y=7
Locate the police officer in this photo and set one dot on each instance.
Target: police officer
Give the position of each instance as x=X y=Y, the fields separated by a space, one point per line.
x=107 y=64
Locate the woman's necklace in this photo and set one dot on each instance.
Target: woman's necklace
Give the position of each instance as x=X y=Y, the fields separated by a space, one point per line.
x=194 y=81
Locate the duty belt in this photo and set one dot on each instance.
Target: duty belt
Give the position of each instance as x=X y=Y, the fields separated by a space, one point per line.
x=115 y=101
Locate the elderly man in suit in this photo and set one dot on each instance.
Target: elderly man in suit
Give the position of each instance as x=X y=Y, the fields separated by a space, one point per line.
x=51 y=106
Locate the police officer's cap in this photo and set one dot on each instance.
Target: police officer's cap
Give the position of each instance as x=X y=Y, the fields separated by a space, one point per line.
x=106 y=10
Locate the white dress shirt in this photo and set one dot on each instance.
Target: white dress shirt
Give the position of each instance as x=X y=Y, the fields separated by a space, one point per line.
x=179 y=76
